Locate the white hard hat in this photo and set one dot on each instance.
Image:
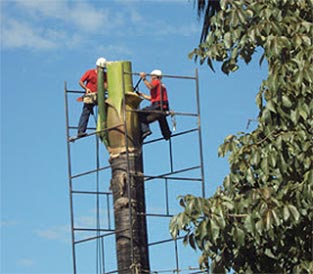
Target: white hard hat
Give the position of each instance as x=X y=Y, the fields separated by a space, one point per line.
x=156 y=72
x=101 y=62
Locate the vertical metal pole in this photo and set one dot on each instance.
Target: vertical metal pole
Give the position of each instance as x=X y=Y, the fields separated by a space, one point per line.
x=172 y=170
x=171 y=154
x=100 y=255
x=199 y=131
x=166 y=199
x=176 y=255
x=102 y=245
x=108 y=211
x=70 y=177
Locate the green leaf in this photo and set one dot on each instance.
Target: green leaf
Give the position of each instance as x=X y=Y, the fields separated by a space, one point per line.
x=228 y=40
x=209 y=61
x=250 y=176
x=294 y=212
x=269 y=253
x=228 y=204
x=217 y=266
x=272 y=160
x=182 y=202
x=294 y=115
x=249 y=224
x=304 y=111
x=264 y=165
x=261 y=59
x=214 y=230
x=275 y=218
x=266 y=115
x=233 y=67
x=186 y=240
x=259 y=100
x=268 y=220
x=270 y=106
x=191 y=54
x=259 y=226
x=239 y=236
x=225 y=67
x=202 y=230
x=223 y=4
x=192 y=241
x=173 y=227
x=299 y=78
x=286 y=213
x=220 y=221
x=306 y=40
x=286 y=101
x=255 y=157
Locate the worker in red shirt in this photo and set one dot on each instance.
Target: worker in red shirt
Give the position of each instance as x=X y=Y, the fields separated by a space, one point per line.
x=159 y=105
x=89 y=82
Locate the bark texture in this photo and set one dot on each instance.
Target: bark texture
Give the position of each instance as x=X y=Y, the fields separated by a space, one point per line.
x=129 y=204
x=127 y=183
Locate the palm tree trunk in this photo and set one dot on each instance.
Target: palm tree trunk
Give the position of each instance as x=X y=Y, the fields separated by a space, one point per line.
x=127 y=184
x=131 y=234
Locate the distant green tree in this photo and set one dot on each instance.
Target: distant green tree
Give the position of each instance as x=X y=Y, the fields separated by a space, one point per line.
x=261 y=219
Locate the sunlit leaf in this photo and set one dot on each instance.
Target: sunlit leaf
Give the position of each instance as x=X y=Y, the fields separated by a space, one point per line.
x=294 y=212
x=269 y=253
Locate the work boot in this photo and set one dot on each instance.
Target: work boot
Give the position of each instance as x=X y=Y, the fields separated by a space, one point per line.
x=81 y=134
x=167 y=136
x=146 y=134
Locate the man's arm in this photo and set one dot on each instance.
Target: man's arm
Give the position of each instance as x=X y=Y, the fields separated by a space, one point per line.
x=145 y=96
x=146 y=82
x=81 y=83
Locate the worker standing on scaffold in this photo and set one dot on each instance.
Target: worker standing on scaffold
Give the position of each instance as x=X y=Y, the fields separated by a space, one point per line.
x=159 y=105
x=89 y=82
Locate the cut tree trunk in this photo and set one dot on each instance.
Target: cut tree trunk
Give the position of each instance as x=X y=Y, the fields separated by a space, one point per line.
x=130 y=223
x=127 y=183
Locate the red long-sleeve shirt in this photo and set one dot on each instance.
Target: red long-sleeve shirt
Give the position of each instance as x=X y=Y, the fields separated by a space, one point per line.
x=91 y=79
x=157 y=90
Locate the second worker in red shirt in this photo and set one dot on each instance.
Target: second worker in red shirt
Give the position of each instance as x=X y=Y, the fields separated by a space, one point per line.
x=159 y=105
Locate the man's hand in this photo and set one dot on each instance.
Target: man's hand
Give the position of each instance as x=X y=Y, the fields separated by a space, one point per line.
x=142 y=75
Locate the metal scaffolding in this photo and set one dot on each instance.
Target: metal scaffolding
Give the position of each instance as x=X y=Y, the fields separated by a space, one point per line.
x=168 y=174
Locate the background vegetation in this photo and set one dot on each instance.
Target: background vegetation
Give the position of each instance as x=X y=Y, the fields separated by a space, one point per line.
x=260 y=220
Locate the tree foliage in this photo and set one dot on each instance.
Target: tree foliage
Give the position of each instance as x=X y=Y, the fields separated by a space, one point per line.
x=261 y=219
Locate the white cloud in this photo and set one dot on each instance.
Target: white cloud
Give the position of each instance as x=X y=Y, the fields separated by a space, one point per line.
x=26 y=262
x=87 y=17
x=51 y=25
x=79 y=14
x=37 y=8
x=62 y=232
x=55 y=233
x=115 y=51
x=8 y=224
x=46 y=25
x=17 y=34
x=162 y=29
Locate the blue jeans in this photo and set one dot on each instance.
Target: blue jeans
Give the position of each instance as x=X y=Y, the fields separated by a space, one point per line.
x=84 y=117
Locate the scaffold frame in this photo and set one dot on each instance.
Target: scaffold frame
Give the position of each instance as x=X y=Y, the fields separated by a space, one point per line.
x=102 y=232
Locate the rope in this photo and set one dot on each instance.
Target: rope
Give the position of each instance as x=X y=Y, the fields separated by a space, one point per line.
x=100 y=263
x=172 y=113
x=135 y=267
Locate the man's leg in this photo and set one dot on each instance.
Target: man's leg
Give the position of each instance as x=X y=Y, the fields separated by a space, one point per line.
x=166 y=132
x=144 y=123
x=84 y=118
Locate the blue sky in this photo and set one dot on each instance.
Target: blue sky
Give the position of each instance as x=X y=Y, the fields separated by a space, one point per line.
x=43 y=44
